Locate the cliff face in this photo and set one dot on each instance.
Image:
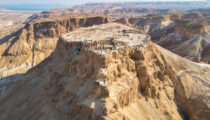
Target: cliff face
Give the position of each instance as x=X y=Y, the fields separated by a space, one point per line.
x=35 y=42
x=48 y=28
x=109 y=72
x=184 y=34
x=148 y=24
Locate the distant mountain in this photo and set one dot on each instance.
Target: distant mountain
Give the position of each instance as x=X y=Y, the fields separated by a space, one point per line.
x=200 y=10
x=118 y=10
x=32 y=7
x=175 y=4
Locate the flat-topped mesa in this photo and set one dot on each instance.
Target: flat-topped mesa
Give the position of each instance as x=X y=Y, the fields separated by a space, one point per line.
x=101 y=41
x=114 y=59
x=38 y=39
x=103 y=71
x=33 y=35
x=111 y=72
x=54 y=27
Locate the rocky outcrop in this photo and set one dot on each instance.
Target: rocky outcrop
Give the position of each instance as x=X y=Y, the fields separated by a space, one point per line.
x=184 y=34
x=109 y=72
x=149 y=23
x=37 y=40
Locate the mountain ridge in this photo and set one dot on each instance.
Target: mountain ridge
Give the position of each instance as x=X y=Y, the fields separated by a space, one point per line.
x=34 y=42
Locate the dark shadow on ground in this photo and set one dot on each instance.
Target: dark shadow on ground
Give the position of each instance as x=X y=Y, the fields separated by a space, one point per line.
x=10 y=79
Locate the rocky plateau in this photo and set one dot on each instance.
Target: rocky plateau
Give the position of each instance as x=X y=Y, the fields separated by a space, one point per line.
x=112 y=72
x=136 y=61
x=37 y=40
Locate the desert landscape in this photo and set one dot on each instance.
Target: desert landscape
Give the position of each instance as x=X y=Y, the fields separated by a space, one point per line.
x=106 y=61
x=185 y=34
x=11 y=21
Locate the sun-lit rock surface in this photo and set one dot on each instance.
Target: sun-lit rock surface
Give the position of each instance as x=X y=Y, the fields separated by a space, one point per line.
x=112 y=72
x=37 y=40
x=184 y=34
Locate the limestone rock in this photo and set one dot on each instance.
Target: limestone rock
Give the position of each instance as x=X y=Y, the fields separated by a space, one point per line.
x=186 y=34
x=113 y=72
x=37 y=40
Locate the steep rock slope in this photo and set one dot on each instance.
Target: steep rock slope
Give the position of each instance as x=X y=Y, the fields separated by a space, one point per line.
x=192 y=84
x=109 y=72
x=33 y=43
x=149 y=23
x=183 y=34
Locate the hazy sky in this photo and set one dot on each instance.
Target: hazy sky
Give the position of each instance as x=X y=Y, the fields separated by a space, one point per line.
x=71 y=2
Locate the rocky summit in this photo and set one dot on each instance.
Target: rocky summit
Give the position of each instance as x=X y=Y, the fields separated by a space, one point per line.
x=112 y=72
x=105 y=61
x=37 y=40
